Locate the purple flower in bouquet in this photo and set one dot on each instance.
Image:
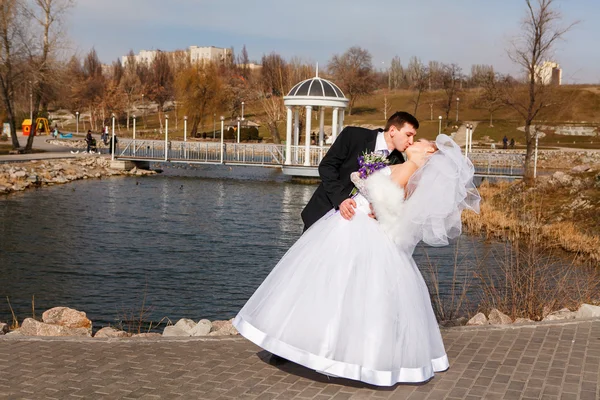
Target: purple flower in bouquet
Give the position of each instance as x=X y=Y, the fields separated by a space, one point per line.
x=371 y=162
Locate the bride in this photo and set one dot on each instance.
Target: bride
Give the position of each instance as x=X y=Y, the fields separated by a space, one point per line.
x=347 y=299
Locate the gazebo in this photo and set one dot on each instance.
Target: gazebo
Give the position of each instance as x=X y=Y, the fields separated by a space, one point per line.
x=314 y=92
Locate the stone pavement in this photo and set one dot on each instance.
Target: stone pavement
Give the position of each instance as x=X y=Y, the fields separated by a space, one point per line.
x=557 y=360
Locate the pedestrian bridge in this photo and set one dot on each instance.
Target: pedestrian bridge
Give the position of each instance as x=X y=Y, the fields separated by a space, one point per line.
x=487 y=163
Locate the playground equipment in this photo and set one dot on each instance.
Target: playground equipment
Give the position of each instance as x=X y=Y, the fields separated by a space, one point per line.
x=41 y=127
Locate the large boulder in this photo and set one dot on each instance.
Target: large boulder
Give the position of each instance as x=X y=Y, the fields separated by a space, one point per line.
x=110 y=332
x=66 y=317
x=588 y=311
x=31 y=327
x=560 y=315
x=173 y=330
x=202 y=328
x=186 y=325
x=522 y=320
x=225 y=328
x=478 y=319
x=497 y=317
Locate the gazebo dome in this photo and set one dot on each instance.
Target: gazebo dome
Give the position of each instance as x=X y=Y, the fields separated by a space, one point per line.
x=316 y=92
x=317 y=87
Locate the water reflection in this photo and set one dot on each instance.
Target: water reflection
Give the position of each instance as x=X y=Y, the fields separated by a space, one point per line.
x=194 y=242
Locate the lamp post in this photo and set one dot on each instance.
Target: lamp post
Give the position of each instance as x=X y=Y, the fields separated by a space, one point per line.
x=440 y=127
x=431 y=111
x=222 y=122
x=214 y=125
x=112 y=142
x=166 y=137
x=77 y=121
x=457 y=101
x=31 y=105
x=185 y=136
x=535 y=154
x=242 y=110
x=143 y=111
x=468 y=126
x=238 y=130
x=133 y=117
x=185 y=128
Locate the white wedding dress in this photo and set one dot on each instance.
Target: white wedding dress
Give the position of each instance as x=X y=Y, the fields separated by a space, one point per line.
x=347 y=299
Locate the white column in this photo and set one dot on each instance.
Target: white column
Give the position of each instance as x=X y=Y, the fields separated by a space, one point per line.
x=288 y=137
x=296 y=134
x=307 y=138
x=166 y=137
x=342 y=114
x=222 y=127
x=334 y=125
x=112 y=144
x=296 y=126
x=321 y=126
x=134 y=135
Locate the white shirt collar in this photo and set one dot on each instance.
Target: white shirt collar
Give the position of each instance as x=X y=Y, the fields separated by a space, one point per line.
x=380 y=144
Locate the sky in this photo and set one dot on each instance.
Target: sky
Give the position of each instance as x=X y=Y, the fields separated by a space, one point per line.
x=465 y=32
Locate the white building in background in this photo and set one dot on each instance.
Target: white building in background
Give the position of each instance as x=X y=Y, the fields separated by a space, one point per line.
x=549 y=73
x=195 y=53
x=211 y=53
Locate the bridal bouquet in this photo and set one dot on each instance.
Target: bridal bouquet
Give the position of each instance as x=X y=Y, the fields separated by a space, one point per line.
x=371 y=162
x=367 y=164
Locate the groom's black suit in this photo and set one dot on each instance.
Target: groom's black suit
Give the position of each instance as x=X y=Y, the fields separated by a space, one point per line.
x=335 y=169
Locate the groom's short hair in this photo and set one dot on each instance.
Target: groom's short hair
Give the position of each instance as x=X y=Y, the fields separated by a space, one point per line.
x=399 y=119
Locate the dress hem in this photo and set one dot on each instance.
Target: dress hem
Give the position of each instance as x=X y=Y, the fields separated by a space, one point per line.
x=339 y=369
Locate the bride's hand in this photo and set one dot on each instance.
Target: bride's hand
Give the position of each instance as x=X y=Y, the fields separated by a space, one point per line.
x=420 y=152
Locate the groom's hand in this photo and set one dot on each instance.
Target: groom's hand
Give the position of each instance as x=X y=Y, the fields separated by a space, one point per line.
x=347 y=208
x=372 y=213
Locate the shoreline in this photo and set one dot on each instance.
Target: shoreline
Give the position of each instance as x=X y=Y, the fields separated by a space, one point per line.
x=19 y=175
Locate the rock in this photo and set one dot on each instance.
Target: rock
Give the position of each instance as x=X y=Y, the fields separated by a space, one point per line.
x=497 y=317
x=216 y=325
x=478 y=319
x=20 y=174
x=588 y=311
x=31 y=327
x=16 y=332
x=3 y=328
x=581 y=168
x=202 y=328
x=147 y=335
x=186 y=325
x=110 y=332
x=225 y=329
x=173 y=330
x=67 y=317
x=522 y=320
x=559 y=315
x=562 y=177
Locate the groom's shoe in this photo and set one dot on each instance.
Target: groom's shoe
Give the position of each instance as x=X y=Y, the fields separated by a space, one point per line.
x=276 y=360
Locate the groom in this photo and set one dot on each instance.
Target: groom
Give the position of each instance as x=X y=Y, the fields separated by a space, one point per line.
x=342 y=159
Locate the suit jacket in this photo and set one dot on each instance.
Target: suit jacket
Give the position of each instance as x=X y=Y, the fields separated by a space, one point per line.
x=335 y=169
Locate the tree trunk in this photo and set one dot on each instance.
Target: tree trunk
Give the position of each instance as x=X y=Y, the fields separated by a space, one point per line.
x=274 y=132
x=528 y=167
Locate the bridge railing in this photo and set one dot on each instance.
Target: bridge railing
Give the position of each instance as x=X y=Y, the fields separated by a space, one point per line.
x=266 y=154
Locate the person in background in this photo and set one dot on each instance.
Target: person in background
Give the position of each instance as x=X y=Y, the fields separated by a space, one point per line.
x=505 y=142
x=88 y=140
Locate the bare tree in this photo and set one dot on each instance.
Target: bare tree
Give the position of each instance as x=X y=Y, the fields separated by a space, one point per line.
x=199 y=89
x=396 y=74
x=11 y=49
x=450 y=79
x=47 y=16
x=353 y=71
x=419 y=79
x=274 y=84
x=160 y=85
x=540 y=31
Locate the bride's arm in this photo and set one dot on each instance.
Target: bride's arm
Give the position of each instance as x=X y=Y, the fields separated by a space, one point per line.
x=401 y=173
